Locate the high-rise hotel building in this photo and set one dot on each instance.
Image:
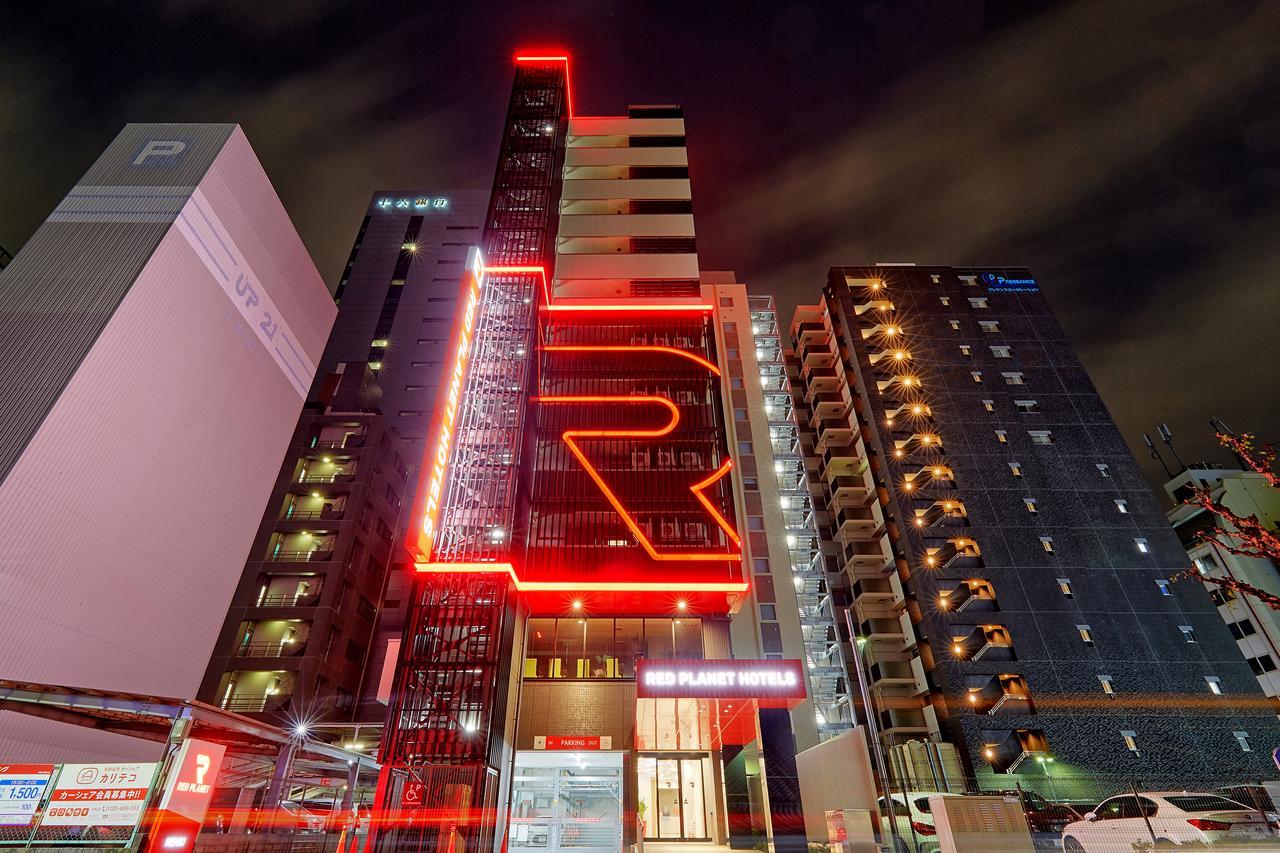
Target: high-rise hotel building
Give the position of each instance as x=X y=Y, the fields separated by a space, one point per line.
x=1005 y=566
x=605 y=642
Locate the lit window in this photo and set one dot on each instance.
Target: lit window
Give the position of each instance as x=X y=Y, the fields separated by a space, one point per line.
x=1107 y=688
x=1142 y=546
x=968 y=280
x=1086 y=634
x=1242 y=738
x=1130 y=741
x=1103 y=470
x=1012 y=378
x=1215 y=684
x=1027 y=407
x=1064 y=584
x=1046 y=542
x=1002 y=437
x=955 y=325
x=945 y=300
x=1163 y=586
x=1001 y=352
x=1040 y=436
x=1123 y=507
x=1188 y=633
x=935 y=279
x=977 y=302
x=1015 y=469
x=1030 y=504
x=977 y=377
x=965 y=351
x=989 y=405
x=380 y=342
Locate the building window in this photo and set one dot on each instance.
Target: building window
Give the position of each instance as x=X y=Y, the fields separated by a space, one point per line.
x=1163 y=586
x=1040 y=436
x=1027 y=407
x=735 y=382
x=1064 y=584
x=1214 y=683
x=989 y=405
x=1046 y=542
x=1030 y=504
x=1242 y=738
x=935 y=279
x=965 y=351
x=769 y=612
x=740 y=414
x=731 y=328
x=1261 y=665
x=751 y=484
x=760 y=566
x=1243 y=628
x=945 y=300
x=726 y=301
x=977 y=377
x=1130 y=741
x=989 y=325
x=1103 y=469
x=1086 y=634
x=977 y=302
x=1012 y=378
x=755 y=522
x=1015 y=469
x=1188 y=633
x=1001 y=352
x=1141 y=545
x=1107 y=688
x=955 y=325
x=1002 y=437
x=968 y=280
x=1122 y=507
x=744 y=448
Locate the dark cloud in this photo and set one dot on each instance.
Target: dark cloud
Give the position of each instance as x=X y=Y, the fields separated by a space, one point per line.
x=1126 y=151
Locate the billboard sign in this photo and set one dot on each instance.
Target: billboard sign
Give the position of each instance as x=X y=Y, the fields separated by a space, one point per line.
x=574 y=743
x=21 y=789
x=997 y=283
x=100 y=795
x=189 y=788
x=719 y=679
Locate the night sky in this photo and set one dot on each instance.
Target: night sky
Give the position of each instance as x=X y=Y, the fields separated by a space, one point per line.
x=1128 y=152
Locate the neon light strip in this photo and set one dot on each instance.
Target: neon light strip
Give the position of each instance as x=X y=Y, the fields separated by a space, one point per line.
x=568 y=90
x=448 y=407
x=542 y=271
x=623 y=307
x=581 y=586
x=636 y=348
x=570 y=437
x=720 y=519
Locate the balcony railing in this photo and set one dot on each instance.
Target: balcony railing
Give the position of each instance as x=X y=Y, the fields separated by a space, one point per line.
x=317 y=556
x=254 y=703
x=349 y=442
x=314 y=515
x=271 y=650
x=336 y=477
x=311 y=599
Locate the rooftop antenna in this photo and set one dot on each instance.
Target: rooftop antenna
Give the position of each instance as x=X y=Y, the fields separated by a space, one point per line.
x=1155 y=454
x=1166 y=435
x=1222 y=429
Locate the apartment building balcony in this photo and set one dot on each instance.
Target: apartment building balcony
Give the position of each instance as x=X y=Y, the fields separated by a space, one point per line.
x=281 y=599
x=862 y=559
x=316 y=556
x=896 y=723
x=1007 y=693
x=345 y=476
x=897 y=677
x=983 y=642
x=844 y=437
x=826 y=374
x=830 y=419
x=858 y=523
x=957 y=552
x=1006 y=750
x=971 y=595
x=929 y=478
x=880 y=630
x=872 y=307
x=354 y=441
x=809 y=334
x=314 y=515
x=843 y=459
x=254 y=703
x=941 y=514
x=883 y=593
x=849 y=490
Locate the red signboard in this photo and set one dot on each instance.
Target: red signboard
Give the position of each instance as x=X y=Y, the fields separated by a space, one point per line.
x=720 y=679
x=573 y=742
x=411 y=796
x=189 y=788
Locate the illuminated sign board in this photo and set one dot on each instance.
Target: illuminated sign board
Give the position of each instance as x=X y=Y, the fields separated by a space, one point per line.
x=441 y=448
x=99 y=795
x=999 y=284
x=719 y=679
x=21 y=789
x=573 y=742
x=415 y=203
x=189 y=788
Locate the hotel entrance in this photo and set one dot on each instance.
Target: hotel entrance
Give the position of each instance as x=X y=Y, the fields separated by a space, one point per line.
x=675 y=796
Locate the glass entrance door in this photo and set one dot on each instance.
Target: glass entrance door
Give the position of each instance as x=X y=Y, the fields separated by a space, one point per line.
x=672 y=791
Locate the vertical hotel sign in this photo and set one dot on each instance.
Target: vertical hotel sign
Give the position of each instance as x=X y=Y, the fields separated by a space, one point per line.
x=440 y=449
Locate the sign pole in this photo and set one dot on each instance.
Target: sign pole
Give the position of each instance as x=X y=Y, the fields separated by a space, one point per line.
x=48 y=796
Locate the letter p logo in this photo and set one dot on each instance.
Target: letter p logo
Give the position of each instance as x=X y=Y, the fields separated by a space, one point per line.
x=162 y=148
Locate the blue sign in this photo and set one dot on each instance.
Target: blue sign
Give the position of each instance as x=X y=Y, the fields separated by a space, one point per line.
x=419 y=203
x=999 y=284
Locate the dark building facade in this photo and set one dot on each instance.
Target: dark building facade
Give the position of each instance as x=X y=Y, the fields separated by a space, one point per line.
x=318 y=602
x=1003 y=561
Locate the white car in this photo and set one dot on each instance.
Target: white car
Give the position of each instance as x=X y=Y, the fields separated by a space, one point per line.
x=303 y=819
x=913 y=820
x=1165 y=819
